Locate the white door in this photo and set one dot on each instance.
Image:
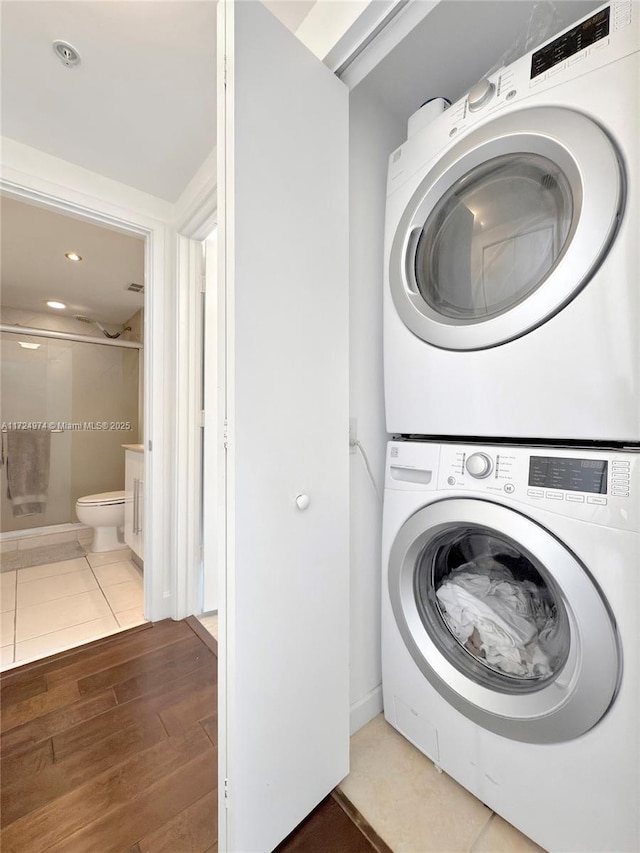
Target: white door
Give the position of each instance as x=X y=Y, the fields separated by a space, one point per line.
x=283 y=184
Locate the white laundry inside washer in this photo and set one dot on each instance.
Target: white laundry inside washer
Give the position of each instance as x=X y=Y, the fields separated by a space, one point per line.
x=500 y=620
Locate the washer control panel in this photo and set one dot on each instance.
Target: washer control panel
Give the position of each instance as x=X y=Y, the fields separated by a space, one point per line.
x=598 y=486
x=570 y=481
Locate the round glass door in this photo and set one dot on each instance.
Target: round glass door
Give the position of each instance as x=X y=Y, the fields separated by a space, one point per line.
x=490 y=611
x=503 y=620
x=494 y=237
x=505 y=229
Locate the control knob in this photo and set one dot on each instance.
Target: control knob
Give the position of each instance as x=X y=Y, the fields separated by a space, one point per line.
x=480 y=94
x=479 y=465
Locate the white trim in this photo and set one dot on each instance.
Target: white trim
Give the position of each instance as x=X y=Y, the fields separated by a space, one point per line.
x=365 y=709
x=395 y=20
x=197 y=206
x=330 y=24
x=188 y=430
x=352 y=38
x=40 y=179
x=214 y=453
x=195 y=217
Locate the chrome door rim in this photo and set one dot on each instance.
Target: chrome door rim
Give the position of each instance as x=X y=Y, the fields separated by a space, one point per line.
x=581 y=693
x=588 y=159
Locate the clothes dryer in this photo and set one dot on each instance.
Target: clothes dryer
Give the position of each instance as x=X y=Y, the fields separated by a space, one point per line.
x=512 y=258
x=511 y=630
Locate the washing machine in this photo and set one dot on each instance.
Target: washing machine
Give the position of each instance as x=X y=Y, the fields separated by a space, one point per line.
x=511 y=299
x=511 y=629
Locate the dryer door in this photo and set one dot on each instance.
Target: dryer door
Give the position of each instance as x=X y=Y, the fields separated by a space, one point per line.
x=504 y=620
x=506 y=229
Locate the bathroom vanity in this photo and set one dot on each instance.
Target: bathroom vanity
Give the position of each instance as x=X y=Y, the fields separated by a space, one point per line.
x=134 y=500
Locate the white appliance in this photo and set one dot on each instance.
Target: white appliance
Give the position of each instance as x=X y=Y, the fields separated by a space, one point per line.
x=546 y=731
x=511 y=304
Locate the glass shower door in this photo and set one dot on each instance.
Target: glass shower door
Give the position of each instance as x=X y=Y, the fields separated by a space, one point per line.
x=36 y=391
x=87 y=396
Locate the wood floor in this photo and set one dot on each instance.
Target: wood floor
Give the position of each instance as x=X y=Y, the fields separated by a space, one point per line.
x=113 y=747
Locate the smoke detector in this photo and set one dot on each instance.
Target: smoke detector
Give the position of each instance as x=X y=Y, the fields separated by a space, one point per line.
x=66 y=53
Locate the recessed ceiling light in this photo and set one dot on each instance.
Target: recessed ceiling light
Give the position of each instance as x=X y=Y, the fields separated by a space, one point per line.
x=72 y=256
x=28 y=345
x=53 y=303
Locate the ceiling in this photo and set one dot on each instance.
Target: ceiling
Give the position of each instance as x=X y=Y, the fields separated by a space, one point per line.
x=135 y=109
x=140 y=109
x=33 y=267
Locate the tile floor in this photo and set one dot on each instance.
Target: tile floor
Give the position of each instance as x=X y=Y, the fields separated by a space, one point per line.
x=416 y=809
x=46 y=609
x=412 y=806
x=210 y=622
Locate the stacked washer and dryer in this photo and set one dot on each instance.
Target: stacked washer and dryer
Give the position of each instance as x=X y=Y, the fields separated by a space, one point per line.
x=511 y=523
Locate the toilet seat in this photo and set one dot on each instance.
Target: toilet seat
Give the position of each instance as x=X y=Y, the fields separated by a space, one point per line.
x=102 y=499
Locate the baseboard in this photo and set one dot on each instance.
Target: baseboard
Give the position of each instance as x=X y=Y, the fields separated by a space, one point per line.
x=365 y=709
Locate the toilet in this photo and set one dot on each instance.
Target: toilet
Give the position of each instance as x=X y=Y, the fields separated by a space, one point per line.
x=105 y=513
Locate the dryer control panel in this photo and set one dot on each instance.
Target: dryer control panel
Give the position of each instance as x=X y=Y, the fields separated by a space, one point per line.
x=572 y=41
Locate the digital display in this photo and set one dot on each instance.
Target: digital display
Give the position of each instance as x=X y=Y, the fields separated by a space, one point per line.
x=573 y=475
x=573 y=41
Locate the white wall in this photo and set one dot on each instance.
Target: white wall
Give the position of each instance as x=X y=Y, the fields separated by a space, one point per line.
x=373 y=135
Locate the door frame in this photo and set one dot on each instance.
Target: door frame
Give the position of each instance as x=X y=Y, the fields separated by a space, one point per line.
x=37 y=178
x=196 y=218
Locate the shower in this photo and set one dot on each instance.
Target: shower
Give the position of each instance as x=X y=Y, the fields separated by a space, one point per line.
x=84 y=319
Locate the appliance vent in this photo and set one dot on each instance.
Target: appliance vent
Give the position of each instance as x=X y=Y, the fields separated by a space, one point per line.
x=136 y=288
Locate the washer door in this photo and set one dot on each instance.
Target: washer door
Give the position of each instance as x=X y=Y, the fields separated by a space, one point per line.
x=504 y=621
x=506 y=229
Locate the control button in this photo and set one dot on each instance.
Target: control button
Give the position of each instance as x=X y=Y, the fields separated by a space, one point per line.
x=598 y=501
x=620 y=464
x=576 y=499
x=453 y=131
x=451 y=481
x=479 y=465
x=555 y=496
x=480 y=94
x=509 y=488
x=620 y=478
x=621 y=492
x=535 y=493
x=511 y=95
